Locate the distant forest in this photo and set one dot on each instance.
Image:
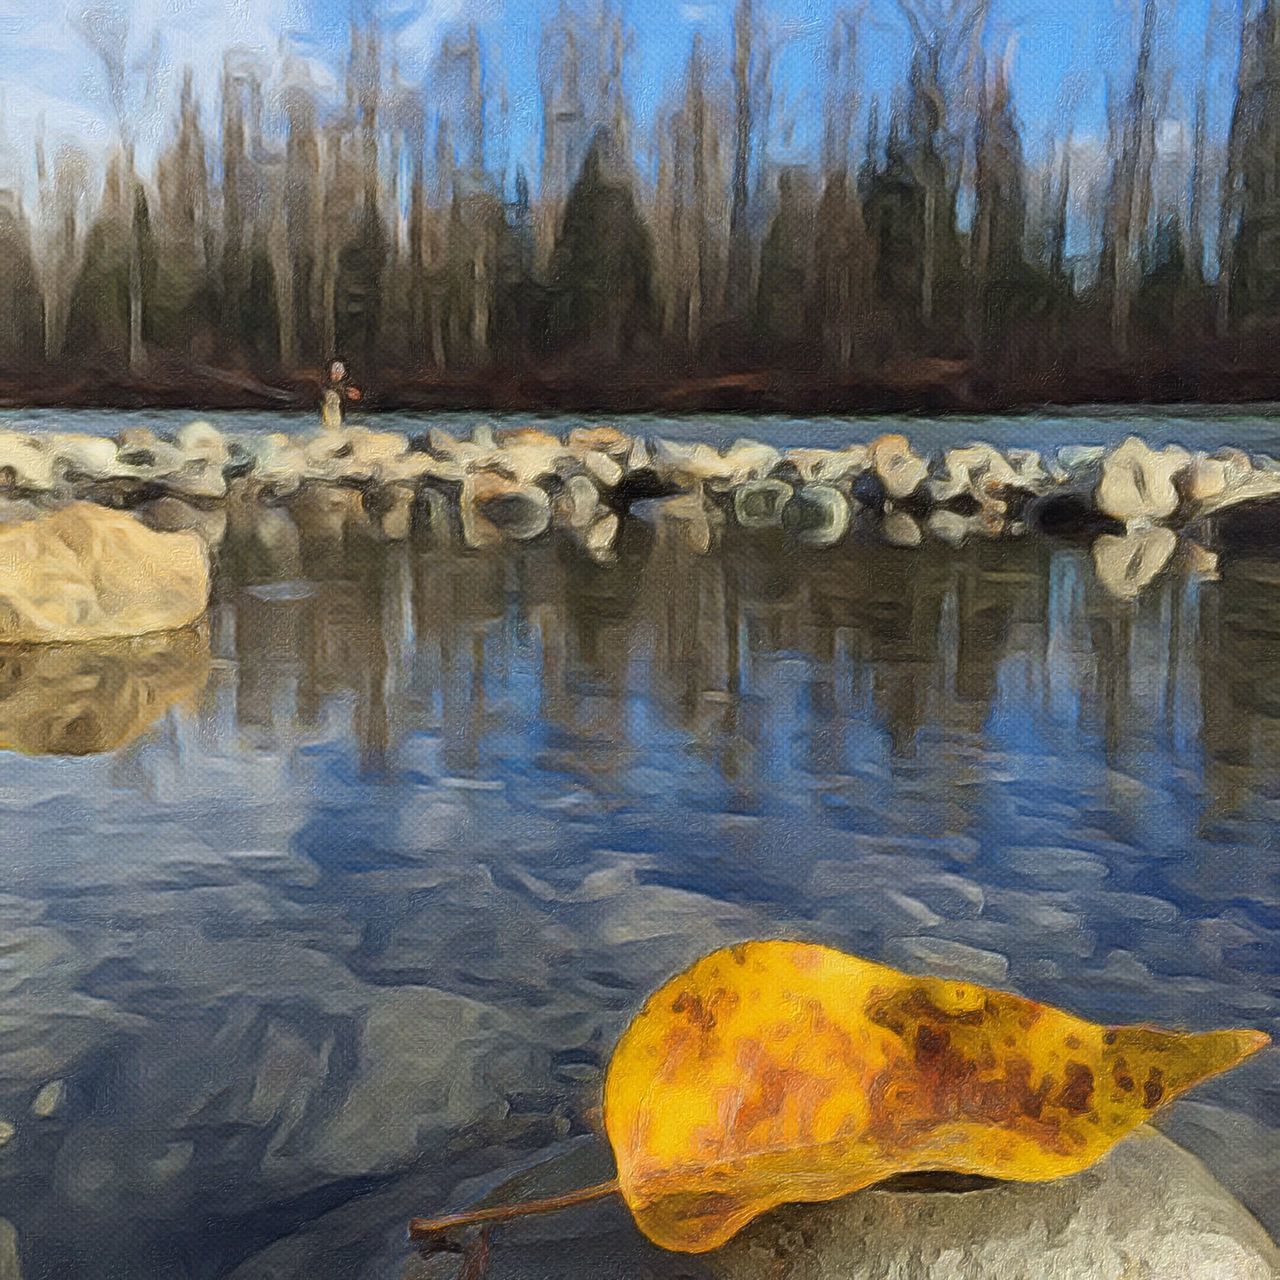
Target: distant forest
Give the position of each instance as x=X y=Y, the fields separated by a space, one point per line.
x=919 y=260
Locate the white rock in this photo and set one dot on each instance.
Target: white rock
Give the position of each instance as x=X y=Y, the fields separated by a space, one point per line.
x=608 y=440
x=605 y=470
x=26 y=462
x=85 y=573
x=901 y=471
x=1137 y=482
x=352 y=454
x=600 y=538
x=528 y=461
x=690 y=464
x=955 y=530
x=279 y=462
x=579 y=504
x=1078 y=459
x=82 y=456
x=750 y=459
x=204 y=441
x=518 y=511
x=976 y=469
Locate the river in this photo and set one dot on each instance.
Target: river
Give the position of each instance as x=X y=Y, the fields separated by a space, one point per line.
x=340 y=916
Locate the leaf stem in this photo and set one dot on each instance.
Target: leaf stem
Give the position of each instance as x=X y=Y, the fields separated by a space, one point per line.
x=425 y=1228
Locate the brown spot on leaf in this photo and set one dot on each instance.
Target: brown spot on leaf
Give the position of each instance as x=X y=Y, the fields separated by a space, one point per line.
x=1153 y=1090
x=1077 y=1092
x=930 y=1042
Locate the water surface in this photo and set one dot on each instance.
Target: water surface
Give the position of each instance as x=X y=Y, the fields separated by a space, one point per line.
x=342 y=916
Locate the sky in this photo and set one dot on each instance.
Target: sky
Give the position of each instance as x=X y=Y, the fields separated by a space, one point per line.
x=1060 y=53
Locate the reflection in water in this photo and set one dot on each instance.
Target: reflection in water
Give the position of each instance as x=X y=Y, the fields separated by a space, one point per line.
x=352 y=938
x=82 y=699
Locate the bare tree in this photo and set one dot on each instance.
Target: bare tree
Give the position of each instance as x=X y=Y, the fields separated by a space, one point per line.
x=105 y=32
x=1129 y=197
x=946 y=74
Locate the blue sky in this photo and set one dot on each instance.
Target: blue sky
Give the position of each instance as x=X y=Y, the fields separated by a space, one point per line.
x=1061 y=52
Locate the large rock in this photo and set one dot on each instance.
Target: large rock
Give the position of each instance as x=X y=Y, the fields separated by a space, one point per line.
x=87 y=573
x=1148 y=1210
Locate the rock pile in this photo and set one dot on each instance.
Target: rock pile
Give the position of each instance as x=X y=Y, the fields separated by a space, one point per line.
x=519 y=484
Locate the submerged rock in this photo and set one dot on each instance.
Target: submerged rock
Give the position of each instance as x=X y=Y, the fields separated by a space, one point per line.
x=86 y=573
x=518 y=511
x=48 y=1102
x=817 y=515
x=10 y=1260
x=900 y=530
x=759 y=504
x=173 y=515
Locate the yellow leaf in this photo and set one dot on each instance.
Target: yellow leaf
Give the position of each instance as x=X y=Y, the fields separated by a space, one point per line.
x=775 y=1072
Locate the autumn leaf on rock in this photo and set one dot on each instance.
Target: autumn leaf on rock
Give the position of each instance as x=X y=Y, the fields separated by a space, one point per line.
x=776 y=1072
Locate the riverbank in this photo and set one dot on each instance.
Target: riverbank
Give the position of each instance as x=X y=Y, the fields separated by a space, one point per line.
x=917 y=386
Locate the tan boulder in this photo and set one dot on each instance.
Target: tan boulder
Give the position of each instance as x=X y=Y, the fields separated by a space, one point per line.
x=353 y=455
x=526 y=436
x=617 y=444
x=827 y=466
x=87 y=573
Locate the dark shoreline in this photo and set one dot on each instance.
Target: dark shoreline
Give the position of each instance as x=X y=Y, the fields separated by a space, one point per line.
x=761 y=392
